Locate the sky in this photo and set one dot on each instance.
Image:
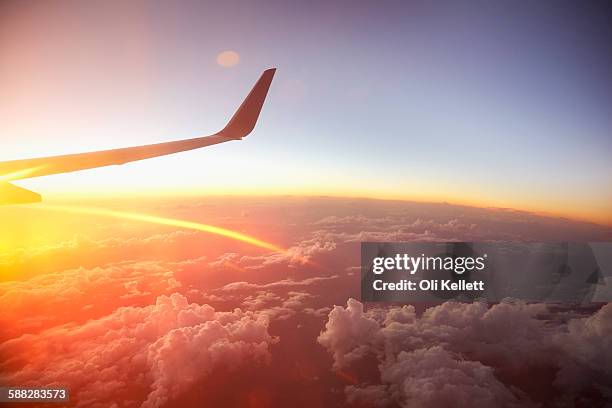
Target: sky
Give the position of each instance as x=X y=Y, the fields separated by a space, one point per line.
x=481 y=103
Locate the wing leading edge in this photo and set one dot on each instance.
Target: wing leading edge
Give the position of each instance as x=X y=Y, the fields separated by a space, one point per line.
x=239 y=126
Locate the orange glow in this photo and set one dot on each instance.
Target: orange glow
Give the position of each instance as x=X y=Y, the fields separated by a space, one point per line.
x=164 y=221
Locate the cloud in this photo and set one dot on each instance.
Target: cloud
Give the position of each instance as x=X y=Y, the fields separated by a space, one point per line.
x=507 y=333
x=589 y=340
x=284 y=283
x=159 y=350
x=80 y=245
x=369 y=395
x=453 y=348
x=400 y=221
x=280 y=307
x=56 y=297
x=587 y=362
x=351 y=220
x=434 y=377
x=260 y=299
x=279 y=300
x=393 y=229
x=348 y=333
x=297 y=255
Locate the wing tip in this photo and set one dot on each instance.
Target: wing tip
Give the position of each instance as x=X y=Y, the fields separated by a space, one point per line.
x=270 y=71
x=244 y=120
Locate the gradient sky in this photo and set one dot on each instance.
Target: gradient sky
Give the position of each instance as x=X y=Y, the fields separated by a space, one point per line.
x=486 y=103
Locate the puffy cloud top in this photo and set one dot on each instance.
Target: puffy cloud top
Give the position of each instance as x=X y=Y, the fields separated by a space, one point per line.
x=161 y=349
x=456 y=354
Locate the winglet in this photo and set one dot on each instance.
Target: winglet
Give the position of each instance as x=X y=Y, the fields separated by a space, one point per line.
x=243 y=121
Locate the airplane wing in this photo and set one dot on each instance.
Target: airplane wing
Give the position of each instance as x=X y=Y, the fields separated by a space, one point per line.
x=239 y=126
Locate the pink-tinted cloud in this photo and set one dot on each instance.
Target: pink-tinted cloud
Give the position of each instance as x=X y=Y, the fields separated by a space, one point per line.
x=150 y=354
x=434 y=377
x=285 y=283
x=72 y=295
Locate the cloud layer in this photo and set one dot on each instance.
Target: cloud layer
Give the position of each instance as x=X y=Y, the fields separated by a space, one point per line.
x=471 y=354
x=129 y=314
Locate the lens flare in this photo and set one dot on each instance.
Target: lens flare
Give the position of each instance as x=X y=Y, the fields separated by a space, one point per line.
x=164 y=221
x=19 y=174
x=228 y=59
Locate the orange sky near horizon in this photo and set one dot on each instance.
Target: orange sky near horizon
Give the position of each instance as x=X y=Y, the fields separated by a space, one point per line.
x=452 y=194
